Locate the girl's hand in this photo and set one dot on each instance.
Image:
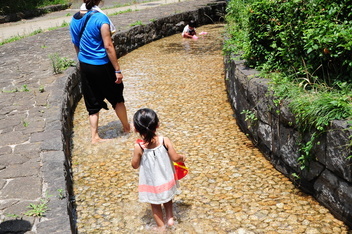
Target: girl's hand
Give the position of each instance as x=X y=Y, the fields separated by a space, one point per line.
x=183 y=158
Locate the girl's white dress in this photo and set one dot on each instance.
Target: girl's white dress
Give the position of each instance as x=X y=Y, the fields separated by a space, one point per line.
x=157 y=178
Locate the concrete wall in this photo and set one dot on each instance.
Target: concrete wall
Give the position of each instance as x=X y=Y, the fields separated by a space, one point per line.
x=127 y=41
x=329 y=178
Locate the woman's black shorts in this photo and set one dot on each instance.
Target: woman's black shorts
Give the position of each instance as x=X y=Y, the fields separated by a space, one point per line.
x=98 y=83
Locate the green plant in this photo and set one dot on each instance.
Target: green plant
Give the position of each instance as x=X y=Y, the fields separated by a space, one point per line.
x=271 y=29
x=312 y=74
x=60 y=63
x=305 y=152
x=295 y=176
x=314 y=108
x=64 y=24
x=25 y=123
x=9 y=6
x=62 y=194
x=136 y=23
x=13 y=216
x=121 y=12
x=37 y=210
x=24 y=88
x=249 y=116
x=11 y=91
x=237 y=26
x=16 y=38
x=41 y=89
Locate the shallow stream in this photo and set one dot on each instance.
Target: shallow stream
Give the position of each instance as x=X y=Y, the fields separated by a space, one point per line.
x=231 y=187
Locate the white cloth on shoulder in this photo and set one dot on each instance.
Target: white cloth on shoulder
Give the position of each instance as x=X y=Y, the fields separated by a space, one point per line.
x=96 y=8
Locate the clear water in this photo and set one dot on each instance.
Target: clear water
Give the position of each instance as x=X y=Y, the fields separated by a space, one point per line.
x=231 y=187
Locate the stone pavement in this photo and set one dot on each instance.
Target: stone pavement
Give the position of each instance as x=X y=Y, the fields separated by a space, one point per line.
x=56 y=19
x=32 y=154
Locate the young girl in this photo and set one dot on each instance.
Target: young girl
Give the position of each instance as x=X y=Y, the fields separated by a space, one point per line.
x=153 y=155
x=189 y=31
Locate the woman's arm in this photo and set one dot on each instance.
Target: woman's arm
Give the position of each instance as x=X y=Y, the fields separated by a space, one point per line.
x=137 y=155
x=172 y=152
x=76 y=49
x=110 y=50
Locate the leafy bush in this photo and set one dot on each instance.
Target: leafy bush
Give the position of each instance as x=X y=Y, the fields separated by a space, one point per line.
x=237 y=26
x=11 y=6
x=305 y=47
x=303 y=38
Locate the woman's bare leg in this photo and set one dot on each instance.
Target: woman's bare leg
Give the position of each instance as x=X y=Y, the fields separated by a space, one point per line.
x=120 y=110
x=93 y=121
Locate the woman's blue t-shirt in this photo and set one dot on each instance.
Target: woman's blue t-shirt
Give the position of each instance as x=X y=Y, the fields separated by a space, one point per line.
x=91 y=46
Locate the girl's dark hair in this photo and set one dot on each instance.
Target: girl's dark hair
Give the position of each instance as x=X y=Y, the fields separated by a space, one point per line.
x=91 y=3
x=145 y=122
x=192 y=24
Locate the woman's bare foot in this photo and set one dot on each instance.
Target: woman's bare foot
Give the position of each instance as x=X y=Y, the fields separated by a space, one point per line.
x=98 y=140
x=127 y=128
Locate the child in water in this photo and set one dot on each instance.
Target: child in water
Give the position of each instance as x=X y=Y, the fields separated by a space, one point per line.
x=154 y=156
x=189 y=30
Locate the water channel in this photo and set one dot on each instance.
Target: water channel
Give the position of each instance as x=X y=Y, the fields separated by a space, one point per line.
x=231 y=187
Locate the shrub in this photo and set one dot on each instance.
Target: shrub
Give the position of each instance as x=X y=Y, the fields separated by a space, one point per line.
x=303 y=38
x=305 y=47
x=10 y=6
x=60 y=64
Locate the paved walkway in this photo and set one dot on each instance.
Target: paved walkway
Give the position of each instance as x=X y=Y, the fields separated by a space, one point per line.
x=31 y=149
x=57 y=19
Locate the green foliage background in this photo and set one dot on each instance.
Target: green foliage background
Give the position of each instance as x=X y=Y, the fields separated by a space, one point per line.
x=14 y=6
x=302 y=38
x=305 y=48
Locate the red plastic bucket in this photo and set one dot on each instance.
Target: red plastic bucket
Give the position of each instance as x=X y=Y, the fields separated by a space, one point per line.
x=180 y=169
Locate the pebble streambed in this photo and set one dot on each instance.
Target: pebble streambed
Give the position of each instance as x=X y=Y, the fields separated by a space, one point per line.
x=231 y=187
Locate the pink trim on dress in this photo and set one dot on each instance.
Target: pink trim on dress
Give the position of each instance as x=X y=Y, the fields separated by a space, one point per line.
x=157 y=189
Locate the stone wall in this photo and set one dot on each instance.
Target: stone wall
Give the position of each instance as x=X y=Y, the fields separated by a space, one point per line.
x=329 y=178
x=127 y=41
x=141 y=35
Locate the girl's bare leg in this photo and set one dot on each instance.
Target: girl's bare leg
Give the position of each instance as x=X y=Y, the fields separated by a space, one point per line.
x=169 y=213
x=120 y=110
x=158 y=215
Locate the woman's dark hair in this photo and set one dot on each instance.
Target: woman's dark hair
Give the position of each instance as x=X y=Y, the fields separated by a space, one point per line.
x=91 y=3
x=145 y=122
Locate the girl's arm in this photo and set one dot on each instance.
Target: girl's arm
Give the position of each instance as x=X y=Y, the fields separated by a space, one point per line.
x=110 y=50
x=172 y=152
x=137 y=155
x=187 y=35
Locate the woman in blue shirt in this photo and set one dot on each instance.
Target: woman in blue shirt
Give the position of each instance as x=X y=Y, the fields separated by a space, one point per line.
x=100 y=71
